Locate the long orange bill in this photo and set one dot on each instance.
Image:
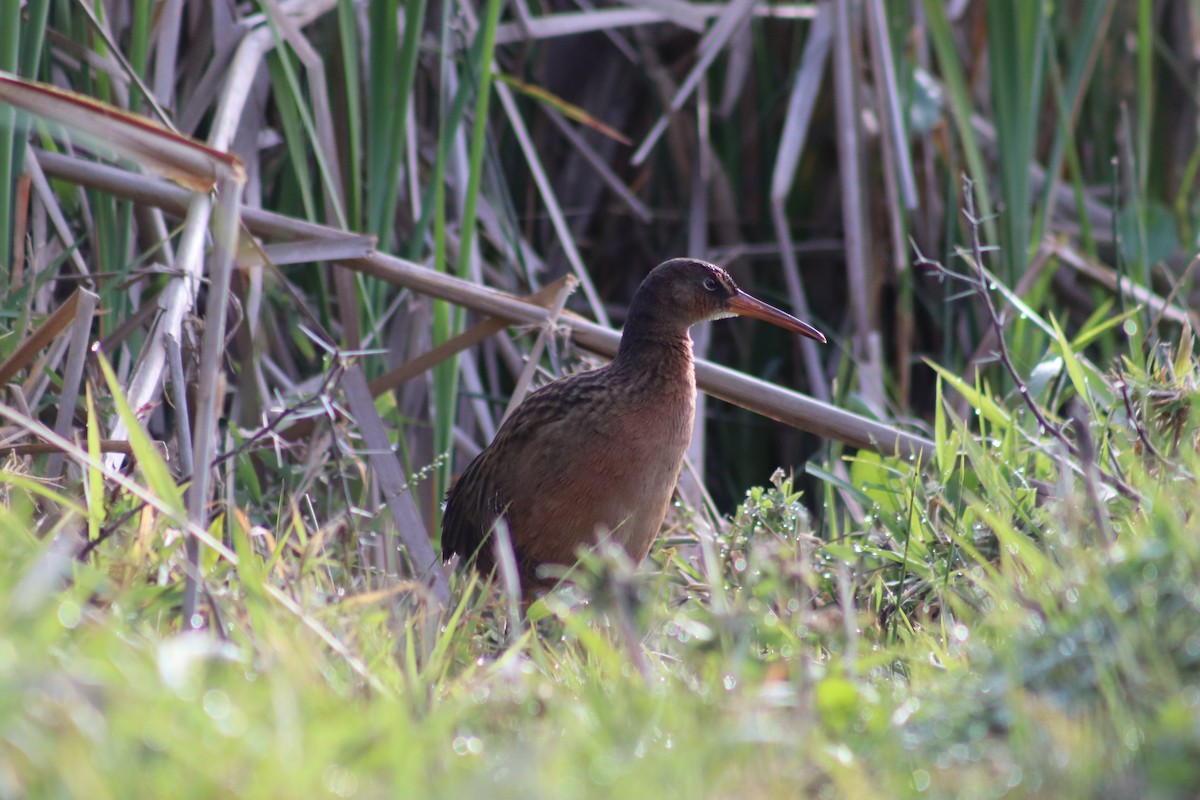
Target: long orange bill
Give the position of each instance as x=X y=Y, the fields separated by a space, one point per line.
x=744 y=305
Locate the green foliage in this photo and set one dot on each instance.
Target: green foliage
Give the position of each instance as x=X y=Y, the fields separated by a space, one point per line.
x=1012 y=630
x=1013 y=615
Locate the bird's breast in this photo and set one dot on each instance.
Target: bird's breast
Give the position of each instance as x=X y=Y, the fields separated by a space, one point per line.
x=620 y=475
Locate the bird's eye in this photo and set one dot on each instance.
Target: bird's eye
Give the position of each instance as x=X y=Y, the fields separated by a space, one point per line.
x=710 y=284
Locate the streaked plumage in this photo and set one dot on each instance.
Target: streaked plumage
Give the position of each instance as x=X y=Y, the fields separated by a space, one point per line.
x=598 y=453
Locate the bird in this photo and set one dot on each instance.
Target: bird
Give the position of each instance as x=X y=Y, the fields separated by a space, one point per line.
x=596 y=455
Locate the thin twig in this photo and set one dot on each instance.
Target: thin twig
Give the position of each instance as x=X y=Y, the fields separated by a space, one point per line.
x=1122 y=386
x=981 y=284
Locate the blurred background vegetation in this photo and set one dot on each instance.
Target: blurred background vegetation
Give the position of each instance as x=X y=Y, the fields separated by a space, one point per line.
x=988 y=205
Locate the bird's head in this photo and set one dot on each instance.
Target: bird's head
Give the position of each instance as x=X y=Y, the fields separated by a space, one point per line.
x=681 y=292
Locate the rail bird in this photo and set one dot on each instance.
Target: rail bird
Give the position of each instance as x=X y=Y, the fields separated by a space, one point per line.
x=596 y=455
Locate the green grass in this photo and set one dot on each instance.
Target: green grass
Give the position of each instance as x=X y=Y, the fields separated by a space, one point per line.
x=999 y=644
x=1014 y=616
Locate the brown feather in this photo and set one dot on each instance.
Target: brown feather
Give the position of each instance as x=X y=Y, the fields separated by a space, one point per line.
x=598 y=454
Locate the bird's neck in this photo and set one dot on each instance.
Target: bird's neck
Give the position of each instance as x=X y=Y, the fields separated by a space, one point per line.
x=662 y=358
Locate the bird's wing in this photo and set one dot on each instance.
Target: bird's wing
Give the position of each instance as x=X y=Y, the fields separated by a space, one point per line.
x=472 y=506
x=528 y=448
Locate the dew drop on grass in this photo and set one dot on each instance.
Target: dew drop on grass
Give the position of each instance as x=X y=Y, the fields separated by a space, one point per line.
x=729 y=682
x=466 y=745
x=905 y=711
x=69 y=614
x=339 y=780
x=216 y=704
